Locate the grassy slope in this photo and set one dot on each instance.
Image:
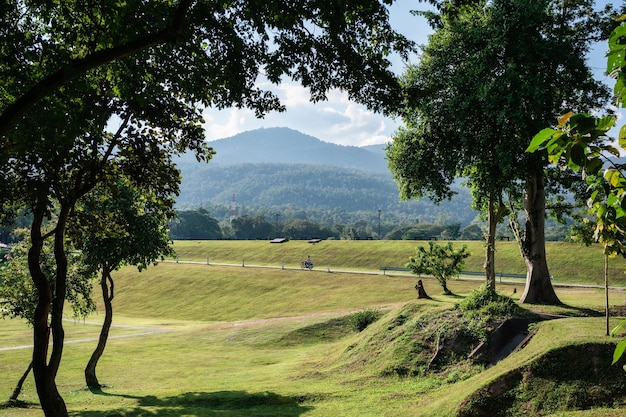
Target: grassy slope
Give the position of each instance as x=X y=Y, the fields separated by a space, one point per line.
x=221 y=358
x=568 y=262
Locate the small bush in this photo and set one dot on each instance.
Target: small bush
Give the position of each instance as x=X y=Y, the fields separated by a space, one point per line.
x=359 y=321
x=483 y=300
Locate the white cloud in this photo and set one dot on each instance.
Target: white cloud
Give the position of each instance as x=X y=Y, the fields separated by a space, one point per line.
x=337 y=120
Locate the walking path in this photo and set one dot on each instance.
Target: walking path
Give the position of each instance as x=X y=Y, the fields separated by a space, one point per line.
x=146 y=331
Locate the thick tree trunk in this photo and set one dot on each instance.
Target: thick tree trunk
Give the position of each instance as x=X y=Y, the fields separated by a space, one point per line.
x=51 y=401
x=538 y=288
x=107 y=295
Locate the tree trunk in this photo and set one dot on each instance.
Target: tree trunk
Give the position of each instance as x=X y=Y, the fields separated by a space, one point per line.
x=20 y=383
x=538 y=288
x=49 y=304
x=606 y=294
x=493 y=218
x=107 y=295
x=421 y=292
x=490 y=256
x=51 y=401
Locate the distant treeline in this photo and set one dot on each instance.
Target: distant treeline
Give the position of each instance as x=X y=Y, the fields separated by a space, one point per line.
x=294 y=224
x=199 y=224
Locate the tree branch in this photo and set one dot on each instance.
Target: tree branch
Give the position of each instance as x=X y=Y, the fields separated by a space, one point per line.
x=77 y=67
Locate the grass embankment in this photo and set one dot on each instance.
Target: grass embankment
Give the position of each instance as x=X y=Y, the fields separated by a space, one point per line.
x=273 y=342
x=568 y=262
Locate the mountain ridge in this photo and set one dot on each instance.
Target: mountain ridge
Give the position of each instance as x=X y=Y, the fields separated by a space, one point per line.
x=285 y=145
x=288 y=172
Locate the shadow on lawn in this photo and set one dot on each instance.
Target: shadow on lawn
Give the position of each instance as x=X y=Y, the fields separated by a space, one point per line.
x=221 y=403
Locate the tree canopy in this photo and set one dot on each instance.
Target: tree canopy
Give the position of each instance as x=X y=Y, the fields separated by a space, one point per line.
x=489 y=78
x=98 y=91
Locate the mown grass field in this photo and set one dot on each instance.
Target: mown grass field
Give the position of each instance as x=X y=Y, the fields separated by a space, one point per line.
x=253 y=341
x=568 y=262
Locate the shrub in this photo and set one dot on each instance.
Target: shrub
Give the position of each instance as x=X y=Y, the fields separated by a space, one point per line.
x=359 y=321
x=482 y=301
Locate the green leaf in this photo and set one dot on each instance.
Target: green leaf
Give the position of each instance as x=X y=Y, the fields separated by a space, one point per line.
x=619 y=351
x=540 y=138
x=577 y=154
x=622 y=137
x=594 y=165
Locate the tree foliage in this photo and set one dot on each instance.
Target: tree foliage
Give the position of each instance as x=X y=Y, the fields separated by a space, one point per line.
x=440 y=261
x=69 y=71
x=194 y=224
x=488 y=79
x=18 y=293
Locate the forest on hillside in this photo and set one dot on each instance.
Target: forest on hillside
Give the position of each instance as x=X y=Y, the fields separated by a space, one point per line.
x=324 y=194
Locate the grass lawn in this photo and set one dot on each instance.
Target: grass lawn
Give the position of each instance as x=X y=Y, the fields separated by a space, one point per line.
x=268 y=342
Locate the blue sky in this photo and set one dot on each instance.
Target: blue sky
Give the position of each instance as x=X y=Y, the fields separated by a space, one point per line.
x=339 y=120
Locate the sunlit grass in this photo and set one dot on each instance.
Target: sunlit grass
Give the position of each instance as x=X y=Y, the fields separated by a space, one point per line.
x=568 y=262
x=264 y=342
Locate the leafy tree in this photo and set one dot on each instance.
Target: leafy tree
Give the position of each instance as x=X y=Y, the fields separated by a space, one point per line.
x=195 y=224
x=256 y=227
x=489 y=78
x=298 y=229
x=118 y=224
x=580 y=142
x=441 y=261
x=65 y=75
x=472 y=232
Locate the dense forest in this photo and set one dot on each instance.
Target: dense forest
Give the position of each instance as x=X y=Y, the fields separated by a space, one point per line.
x=323 y=194
x=285 y=172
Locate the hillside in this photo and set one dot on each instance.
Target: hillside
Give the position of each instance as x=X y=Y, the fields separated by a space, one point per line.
x=283 y=145
x=273 y=169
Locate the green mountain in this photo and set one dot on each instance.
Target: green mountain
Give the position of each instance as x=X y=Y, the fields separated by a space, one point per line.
x=278 y=170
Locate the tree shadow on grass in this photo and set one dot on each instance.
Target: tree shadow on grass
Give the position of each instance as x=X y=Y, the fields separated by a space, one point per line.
x=220 y=403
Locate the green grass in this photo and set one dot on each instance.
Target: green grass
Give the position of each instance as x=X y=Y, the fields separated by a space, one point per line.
x=273 y=342
x=568 y=262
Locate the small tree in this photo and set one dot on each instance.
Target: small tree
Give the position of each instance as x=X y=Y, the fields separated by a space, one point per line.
x=440 y=261
x=118 y=224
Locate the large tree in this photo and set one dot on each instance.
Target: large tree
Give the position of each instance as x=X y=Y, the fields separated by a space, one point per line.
x=69 y=69
x=489 y=78
x=581 y=143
